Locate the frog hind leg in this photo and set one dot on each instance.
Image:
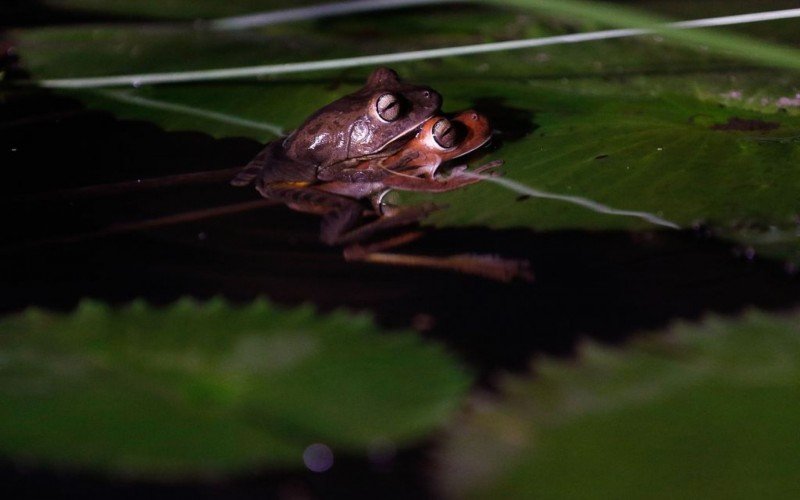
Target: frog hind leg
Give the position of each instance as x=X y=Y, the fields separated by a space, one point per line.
x=401 y=217
x=253 y=169
x=272 y=165
x=493 y=267
x=339 y=227
x=340 y=214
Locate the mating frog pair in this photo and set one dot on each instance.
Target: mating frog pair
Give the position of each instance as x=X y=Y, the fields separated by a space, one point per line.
x=387 y=135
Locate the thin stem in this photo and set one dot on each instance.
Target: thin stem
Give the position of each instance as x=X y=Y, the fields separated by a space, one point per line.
x=157 y=222
x=314 y=12
x=128 y=186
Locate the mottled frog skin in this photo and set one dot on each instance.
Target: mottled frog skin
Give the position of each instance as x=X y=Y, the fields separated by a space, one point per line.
x=414 y=166
x=362 y=124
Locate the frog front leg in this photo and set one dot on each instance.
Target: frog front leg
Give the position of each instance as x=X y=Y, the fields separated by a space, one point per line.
x=351 y=175
x=457 y=179
x=363 y=171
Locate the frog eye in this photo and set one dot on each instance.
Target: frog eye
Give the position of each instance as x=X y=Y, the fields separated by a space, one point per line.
x=444 y=134
x=388 y=107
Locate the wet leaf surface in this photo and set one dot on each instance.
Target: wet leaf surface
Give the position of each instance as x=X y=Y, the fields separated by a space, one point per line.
x=704 y=410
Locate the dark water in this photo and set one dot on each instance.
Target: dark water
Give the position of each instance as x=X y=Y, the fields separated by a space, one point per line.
x=600 y=285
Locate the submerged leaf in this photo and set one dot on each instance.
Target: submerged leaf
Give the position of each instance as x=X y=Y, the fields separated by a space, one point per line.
x=703 y=411
x=209 y=388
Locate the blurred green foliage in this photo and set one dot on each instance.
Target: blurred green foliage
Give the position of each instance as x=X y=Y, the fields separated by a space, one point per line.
x=698 y=411
x=208 y=389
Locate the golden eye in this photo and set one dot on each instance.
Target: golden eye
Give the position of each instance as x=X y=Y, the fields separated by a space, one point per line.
x=388 y=107
x=444 y=134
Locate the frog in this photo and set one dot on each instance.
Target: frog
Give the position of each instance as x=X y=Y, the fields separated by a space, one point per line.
x=413 y=168
x=373 y=121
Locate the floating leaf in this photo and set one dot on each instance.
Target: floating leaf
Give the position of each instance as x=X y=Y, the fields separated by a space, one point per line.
x=209 y=389
x=668 y=155
x=705 y=410
x=636 y=125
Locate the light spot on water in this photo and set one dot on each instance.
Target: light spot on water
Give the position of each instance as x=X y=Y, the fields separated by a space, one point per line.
x=318 y=458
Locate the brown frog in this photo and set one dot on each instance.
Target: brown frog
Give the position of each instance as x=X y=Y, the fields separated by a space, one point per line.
x=362 y=146
x=371 y=121
x=411 y=169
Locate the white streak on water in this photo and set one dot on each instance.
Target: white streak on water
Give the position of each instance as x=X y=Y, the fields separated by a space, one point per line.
x=576 y=200
x=190 y=110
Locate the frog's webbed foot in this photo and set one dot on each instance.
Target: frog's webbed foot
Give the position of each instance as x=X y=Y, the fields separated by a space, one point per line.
x=490 y=168
x=487 y=266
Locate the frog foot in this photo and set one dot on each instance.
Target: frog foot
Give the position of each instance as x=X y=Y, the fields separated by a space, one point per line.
x=461 y=170
x=490 y=267
x=490 y=168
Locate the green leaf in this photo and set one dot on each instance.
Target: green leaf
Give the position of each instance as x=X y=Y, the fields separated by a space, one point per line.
x=705 y=410
x=624 y=123
x=198 y=389
x=667 y=154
